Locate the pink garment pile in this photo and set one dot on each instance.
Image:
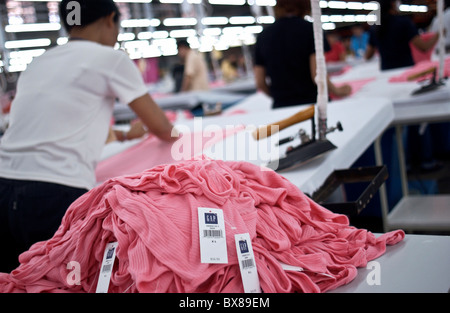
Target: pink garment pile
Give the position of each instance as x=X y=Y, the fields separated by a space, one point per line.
x=420 y=67
x=154 y=218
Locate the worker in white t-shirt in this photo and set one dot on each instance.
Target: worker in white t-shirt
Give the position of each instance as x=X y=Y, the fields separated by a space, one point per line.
x=59 y=123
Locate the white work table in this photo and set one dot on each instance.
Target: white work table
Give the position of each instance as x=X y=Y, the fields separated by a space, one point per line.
x=362 y=122
x=413 y=212
x=418 y=264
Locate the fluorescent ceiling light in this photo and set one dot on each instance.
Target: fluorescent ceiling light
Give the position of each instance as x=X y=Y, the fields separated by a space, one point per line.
x=328 y=26
x=171 y=1
x=160 y=34
x=268 y=19
x=355 y=5
x=253 y=29
x=15 y=44
x=183 y=33
x=236 y=20
x=337 y=4
x=126 y=37
x=212 y=31
x=371 y=6
x=26 y=53
x=263 y=3
x=140 y=23
x=32 y=27
x=216 y=20
x=128 y=1
x=227 y=2
x=180 y=21
x=62 y=40
x=144 y=35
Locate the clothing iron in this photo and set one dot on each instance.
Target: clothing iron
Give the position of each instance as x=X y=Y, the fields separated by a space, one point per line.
x=433 y=84
x=309 y=148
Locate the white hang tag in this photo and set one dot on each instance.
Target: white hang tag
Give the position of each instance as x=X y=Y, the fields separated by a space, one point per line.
x=107 y=266
x=247 y=264
x=213 y=240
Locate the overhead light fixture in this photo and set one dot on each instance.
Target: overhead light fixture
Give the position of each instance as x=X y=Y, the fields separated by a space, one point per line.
x=183 y=33
x=126 y=37
x=140 y=23
x=215 y=20
x=337 y=4
x=227 y=2
x=215 y=31
x=35 y=27
x=268 y=19
x=413 y=8
x=29 y=43
x=236 y=20
x=127 y=1
x=180 y=21
x=144 y=35
x=160 y=34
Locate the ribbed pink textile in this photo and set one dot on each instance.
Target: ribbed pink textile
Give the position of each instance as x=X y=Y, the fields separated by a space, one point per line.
x=151 y=152
x=153 y=216
x=419 y=67
x=356 y=86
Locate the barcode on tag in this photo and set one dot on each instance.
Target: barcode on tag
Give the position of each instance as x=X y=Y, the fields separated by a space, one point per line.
x=246 y=264
x=212 y=233
x=106 y=268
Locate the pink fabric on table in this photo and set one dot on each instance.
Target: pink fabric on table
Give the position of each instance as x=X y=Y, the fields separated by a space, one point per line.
x=356 y=85
x=422 y=66
x=420 y=56
x=151 y=152
x=153 y=217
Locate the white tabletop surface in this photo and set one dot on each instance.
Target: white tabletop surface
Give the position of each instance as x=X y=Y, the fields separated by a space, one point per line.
x=418 y=264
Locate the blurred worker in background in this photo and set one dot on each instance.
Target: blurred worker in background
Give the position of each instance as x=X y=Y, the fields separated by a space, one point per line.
x=392 y=38
x=195 y=75
x=59 y=123
x=359 y=41
x=285 y=55
x=337 y=52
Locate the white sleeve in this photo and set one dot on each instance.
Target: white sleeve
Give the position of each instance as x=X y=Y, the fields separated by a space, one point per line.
x=126 y=81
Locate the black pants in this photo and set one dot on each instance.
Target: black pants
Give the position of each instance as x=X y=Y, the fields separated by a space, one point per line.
x=30 y=211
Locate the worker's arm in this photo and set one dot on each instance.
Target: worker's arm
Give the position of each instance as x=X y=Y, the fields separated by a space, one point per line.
x=260 y=79
x=154 y=118
x=341 y=91
x=187 y=81
x=370 y=52
x=425 y=45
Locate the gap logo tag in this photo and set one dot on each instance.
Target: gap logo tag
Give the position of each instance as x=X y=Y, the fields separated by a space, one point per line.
x=211 y=218
x=243 y=246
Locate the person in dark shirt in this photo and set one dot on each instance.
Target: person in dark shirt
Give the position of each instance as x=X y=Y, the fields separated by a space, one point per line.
x=393 y=37
x=285 y=55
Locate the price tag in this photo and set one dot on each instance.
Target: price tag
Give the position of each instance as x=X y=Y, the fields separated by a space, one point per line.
x=213 y=240
x=107 y=265
x=247 y=264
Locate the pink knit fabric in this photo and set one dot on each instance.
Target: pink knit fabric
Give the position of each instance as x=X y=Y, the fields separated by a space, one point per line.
x=419 y=67
x=153 y=216
x=356 y=86
x=151 y=152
